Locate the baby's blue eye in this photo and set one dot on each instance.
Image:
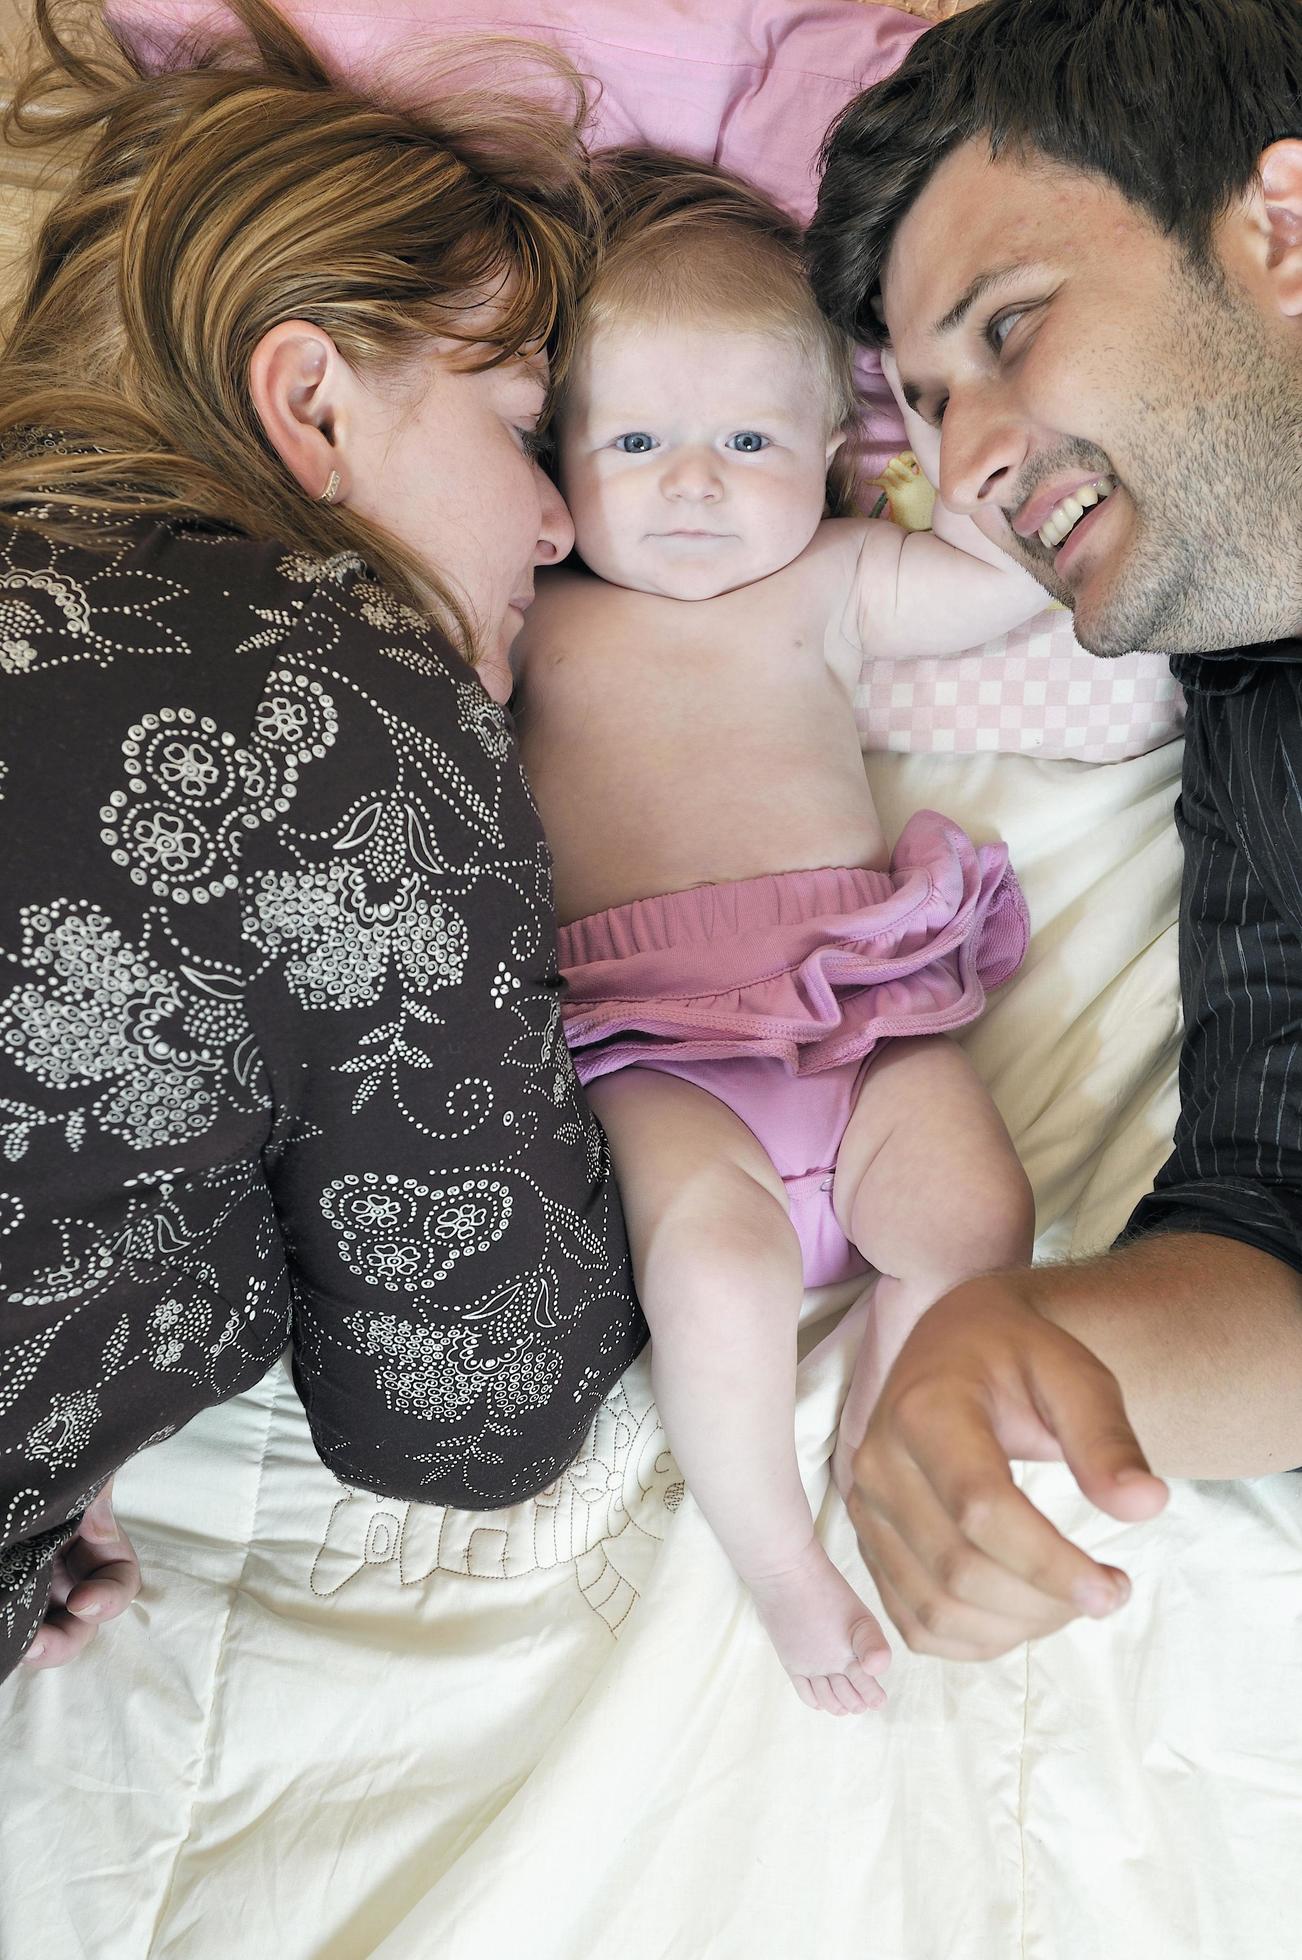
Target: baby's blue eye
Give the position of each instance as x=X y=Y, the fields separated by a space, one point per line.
x=636 y=443
x=748 y=441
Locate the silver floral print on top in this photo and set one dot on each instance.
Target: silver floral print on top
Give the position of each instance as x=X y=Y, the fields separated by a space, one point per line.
x=279 y=1041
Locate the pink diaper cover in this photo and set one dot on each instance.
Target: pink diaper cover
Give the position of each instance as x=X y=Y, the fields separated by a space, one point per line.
x=774 y=992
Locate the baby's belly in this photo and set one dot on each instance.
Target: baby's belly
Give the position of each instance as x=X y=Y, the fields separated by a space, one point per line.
x=635 y=834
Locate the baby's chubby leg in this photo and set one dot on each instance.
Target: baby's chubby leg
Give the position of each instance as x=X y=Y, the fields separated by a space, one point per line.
x=719 y=1274
x=930 y=1189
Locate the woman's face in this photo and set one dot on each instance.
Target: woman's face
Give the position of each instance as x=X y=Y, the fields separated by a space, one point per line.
x=442 y=459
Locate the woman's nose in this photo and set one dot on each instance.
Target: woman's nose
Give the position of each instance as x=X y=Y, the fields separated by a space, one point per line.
x=555 y=525
x=982 y=450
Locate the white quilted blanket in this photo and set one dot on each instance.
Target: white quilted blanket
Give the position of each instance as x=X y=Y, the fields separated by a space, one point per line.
x=338 y=1727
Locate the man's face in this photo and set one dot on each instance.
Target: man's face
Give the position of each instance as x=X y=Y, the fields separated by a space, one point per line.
x=1126 y=426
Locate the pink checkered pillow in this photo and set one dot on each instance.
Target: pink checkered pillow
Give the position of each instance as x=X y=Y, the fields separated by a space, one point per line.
x=753 y=84
x=1035 y=690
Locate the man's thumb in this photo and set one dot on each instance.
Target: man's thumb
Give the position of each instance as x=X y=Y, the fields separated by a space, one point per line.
x=1087 y=1414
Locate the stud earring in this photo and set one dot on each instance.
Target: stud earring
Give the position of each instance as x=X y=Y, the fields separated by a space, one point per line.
x=331 y=490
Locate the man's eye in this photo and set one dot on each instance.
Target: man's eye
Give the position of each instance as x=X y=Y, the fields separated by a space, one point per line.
x=636 y=443
x=748 y=441
x=533 y=443
x=1002 y=325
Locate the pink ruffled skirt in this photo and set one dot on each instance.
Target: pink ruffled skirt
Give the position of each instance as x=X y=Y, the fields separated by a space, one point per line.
x=812 y=968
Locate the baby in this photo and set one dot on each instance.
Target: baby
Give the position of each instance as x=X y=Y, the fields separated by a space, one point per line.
x=758 y=989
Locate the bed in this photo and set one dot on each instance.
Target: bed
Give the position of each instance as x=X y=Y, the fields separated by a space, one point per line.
x=335 y=1726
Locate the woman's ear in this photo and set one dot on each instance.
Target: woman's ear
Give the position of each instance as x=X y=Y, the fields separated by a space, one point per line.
x=1280 y=172
x=299 y=383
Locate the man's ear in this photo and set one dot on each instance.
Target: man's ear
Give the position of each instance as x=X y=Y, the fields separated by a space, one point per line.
x=299 y=383
x=1280 y=170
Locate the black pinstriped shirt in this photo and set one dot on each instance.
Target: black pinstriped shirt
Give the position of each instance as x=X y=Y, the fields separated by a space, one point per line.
x=1236 y=1168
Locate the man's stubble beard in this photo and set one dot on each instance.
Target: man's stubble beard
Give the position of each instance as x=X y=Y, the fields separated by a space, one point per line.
x=1214 y=475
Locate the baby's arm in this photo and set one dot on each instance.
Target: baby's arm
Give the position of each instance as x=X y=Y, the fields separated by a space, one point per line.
x=936 y=592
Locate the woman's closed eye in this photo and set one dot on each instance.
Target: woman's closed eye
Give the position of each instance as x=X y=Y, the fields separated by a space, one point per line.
x=532 y=441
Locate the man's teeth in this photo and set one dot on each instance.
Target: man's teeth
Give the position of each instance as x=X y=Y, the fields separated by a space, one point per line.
x=1072 y=509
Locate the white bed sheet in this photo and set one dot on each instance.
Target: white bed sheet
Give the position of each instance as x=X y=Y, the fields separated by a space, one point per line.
x=336 y=1726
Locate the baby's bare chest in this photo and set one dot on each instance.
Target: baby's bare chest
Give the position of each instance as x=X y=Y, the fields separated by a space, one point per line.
x=755 y=666
x=670 y=751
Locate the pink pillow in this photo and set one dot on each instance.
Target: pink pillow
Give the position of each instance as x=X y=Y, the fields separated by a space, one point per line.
x=1035 y=692
x=753 y=84
x=749 y=84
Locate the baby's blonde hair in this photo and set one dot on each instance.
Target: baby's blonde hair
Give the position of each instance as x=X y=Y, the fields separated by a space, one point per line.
x=686 y=243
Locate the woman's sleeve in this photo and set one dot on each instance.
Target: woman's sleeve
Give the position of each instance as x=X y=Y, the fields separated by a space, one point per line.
x=462 y=1292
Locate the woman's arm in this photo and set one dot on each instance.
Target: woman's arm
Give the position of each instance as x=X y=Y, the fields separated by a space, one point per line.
x=94 y=1579
x=462 y=1293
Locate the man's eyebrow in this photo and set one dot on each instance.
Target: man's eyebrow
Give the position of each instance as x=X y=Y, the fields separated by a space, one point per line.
x=981 y=285
x=984 y=283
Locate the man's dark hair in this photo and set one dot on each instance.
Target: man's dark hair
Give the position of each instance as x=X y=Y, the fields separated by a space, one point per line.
x=1172 y=101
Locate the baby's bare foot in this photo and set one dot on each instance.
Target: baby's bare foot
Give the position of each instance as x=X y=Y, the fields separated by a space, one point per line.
x=825 y=1637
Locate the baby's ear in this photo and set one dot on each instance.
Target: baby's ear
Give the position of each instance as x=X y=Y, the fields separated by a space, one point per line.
x=842 y=485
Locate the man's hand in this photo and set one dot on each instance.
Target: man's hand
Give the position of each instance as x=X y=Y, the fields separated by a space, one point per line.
x=96 y=1577
x=965 y=1564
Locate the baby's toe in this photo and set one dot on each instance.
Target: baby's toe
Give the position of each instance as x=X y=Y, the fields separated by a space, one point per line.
x=870 y=1645
x=804 y=1689
x=847 y=1694
x=823 y=1696
x=872 y=1692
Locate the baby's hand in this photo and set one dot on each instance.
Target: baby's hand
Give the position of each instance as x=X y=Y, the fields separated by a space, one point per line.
x=940 y=593
x=96 y=1577
x=948 y=525
x=924 y=440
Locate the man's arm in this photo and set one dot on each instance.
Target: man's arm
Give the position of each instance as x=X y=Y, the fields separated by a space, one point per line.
x=1191 y=1342
x=1182 y=1349
x=1204 y=1334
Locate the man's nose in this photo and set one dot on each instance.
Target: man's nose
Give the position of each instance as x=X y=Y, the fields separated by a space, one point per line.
x=982 y=449
x=692 y=475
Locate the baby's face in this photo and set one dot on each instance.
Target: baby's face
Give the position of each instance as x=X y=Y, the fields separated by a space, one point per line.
x=693 y=459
